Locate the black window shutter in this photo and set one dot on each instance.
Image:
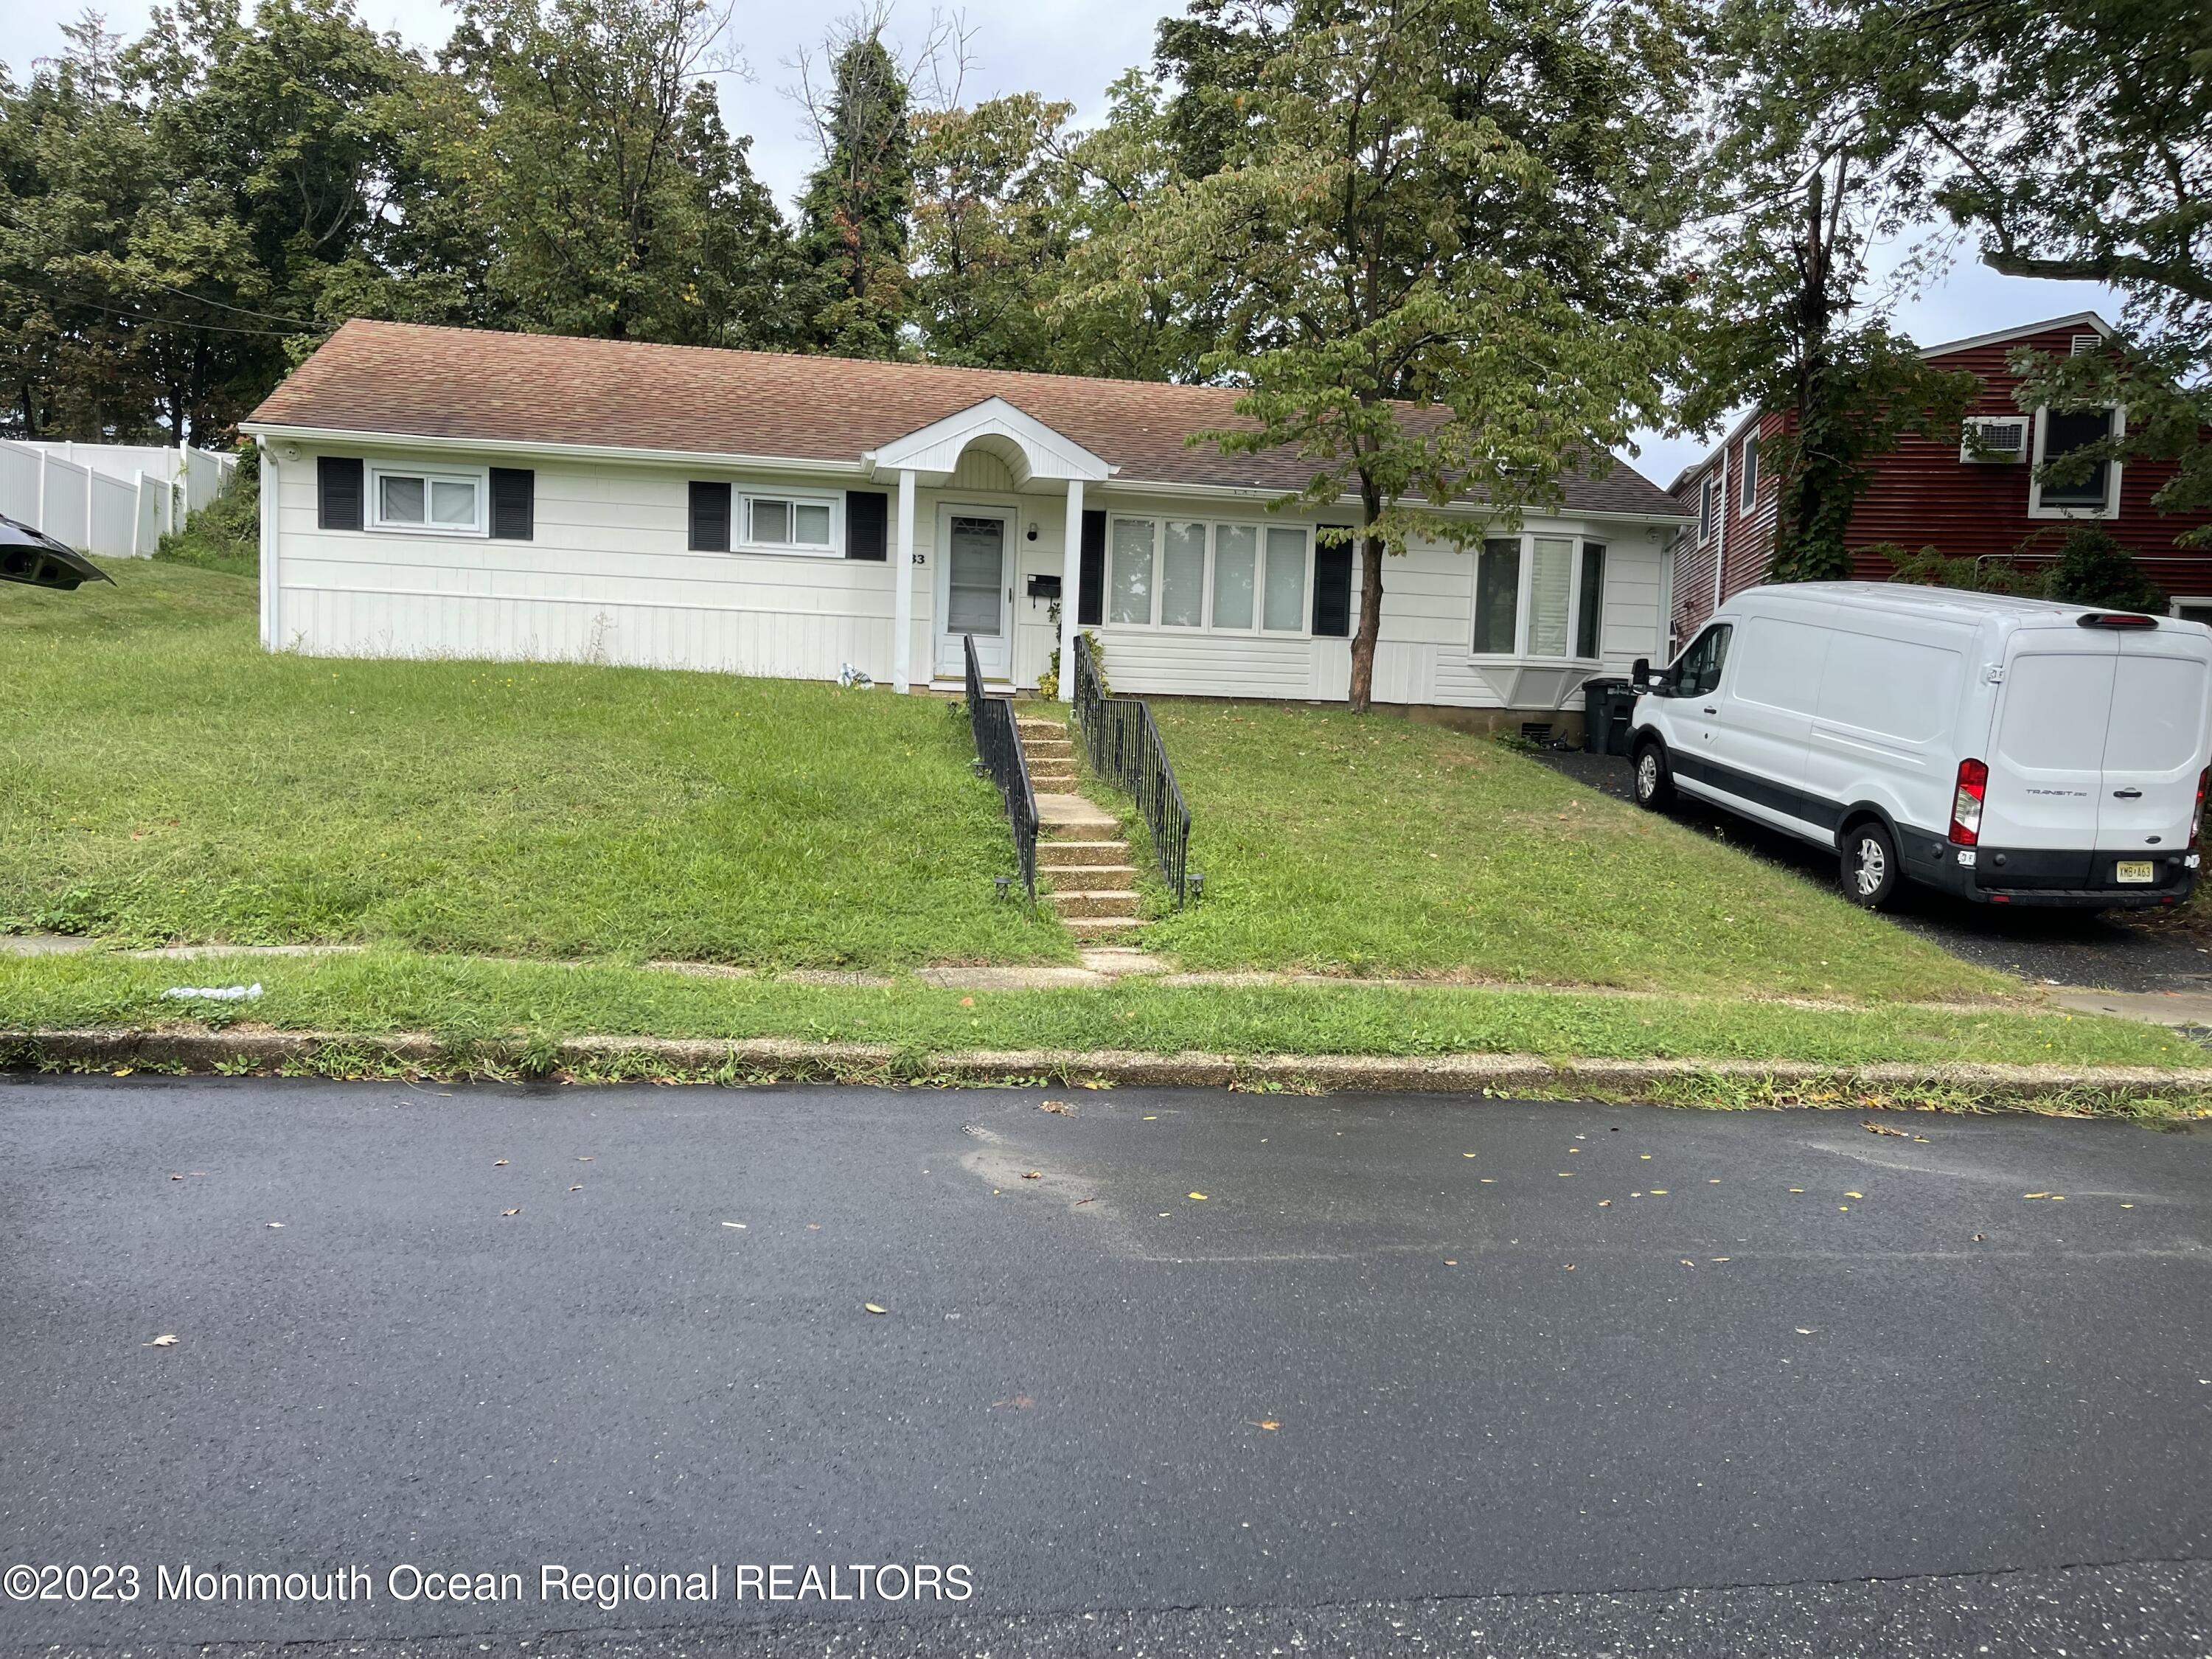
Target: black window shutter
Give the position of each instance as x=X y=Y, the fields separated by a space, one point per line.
x=868 y=520
x=1091 y=576
x=338 y=485
x=1333 y=588
x=710 y=517
x=514 y=503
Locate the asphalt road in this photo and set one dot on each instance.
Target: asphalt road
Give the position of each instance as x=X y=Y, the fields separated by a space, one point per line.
x=1412 y=1376
x=2054 y=946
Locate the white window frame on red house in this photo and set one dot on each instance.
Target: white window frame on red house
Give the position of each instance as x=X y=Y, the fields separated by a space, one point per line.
x=2058 y=510
x=1747 y=474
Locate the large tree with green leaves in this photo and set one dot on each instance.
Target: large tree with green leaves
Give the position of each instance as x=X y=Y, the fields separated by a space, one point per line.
x=592 y=152
x=1801 y=176
x=2073 y=138
x=1439 y=232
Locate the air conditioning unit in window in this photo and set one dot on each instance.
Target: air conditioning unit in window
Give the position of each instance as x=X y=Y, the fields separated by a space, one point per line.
x=1994 y=439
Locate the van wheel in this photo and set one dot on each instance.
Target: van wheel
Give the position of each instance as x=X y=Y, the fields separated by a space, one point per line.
x=1871 y=877
x=1655 y=779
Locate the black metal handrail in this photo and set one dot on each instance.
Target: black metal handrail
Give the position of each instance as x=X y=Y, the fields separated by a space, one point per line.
x=1121 y=741
x=998 y=754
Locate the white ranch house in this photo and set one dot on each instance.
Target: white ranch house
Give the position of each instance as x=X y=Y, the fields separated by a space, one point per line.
x=446 y=492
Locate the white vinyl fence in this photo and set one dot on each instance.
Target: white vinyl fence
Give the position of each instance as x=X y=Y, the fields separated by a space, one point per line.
x=117 y=500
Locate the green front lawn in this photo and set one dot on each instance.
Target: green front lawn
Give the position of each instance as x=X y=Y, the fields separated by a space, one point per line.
x=1372 y=845
x=161 y=778
x=472 y=1000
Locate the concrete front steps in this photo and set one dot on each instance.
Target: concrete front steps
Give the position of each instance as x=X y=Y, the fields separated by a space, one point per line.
x=1083 y=861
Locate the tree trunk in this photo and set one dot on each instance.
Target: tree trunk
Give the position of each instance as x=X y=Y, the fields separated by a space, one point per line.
x=1371 y=605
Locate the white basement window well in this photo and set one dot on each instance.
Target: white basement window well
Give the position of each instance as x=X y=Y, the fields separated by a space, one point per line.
x=1198 y=575
x=788 y=523
x=1539 y=597
x=428 y=502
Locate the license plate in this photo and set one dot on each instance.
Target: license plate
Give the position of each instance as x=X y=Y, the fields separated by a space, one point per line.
x=2135 y=870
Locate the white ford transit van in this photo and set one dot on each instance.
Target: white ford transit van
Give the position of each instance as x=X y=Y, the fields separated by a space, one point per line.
x=2011 y=752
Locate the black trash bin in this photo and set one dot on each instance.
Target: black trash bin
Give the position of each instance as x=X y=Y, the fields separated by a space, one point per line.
x=1607 y=706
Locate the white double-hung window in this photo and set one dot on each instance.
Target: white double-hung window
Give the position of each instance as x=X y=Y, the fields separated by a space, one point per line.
x=1540 y=596
x=788 y=524
x=429 y=500
x=1196 y=574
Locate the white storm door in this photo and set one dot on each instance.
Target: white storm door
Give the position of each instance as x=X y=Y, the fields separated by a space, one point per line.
x=973 y=591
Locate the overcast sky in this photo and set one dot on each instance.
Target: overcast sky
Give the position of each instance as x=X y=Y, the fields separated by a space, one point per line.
x=1068 y=49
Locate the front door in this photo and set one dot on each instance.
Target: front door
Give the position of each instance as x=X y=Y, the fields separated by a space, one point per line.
x=973 y=594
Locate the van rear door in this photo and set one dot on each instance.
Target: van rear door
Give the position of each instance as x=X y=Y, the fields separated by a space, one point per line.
x=2155 y=747
x=2046 y=758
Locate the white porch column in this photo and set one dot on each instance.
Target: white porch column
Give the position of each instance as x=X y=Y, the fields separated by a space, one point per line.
x=1070 y=582
x=903 y=589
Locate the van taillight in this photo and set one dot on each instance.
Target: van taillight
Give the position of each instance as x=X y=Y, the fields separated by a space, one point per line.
x=1967 y=802
x=2114 y=619
x=2197 y=818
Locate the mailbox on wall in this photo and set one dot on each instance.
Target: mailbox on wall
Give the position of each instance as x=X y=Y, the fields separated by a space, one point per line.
x=1044 y=587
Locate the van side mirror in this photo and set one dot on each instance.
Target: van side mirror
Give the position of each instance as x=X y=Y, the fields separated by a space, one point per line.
x=1660 y=684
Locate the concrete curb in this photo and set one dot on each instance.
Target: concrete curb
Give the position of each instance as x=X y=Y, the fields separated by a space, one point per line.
x=615 y=1057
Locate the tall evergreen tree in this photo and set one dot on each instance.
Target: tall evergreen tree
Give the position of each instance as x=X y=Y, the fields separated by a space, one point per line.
x=855 y=215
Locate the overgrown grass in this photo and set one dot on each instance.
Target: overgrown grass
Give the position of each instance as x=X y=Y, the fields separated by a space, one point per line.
x=465 y=1001
x=225 y=534
x=1373 y=845
x=162 y=779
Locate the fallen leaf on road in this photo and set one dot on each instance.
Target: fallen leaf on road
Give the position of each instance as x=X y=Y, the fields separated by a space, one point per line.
x=2035 y=1195
x=586 y=1160
x=1883 y=1129
x=1566 y=1175
x=2059 y=1198
x=1724 y=1258
x=176 y=1177
x=1796 y=1190
x=1020 y=1402
x=1201 y=1197
x=739 y=1225
x=1081 y=1202
x=872 y=1308
x=1977 y=1238
x=1570 y=1266
x=1686 y=1262
x=1489 y=1180
x=1054 y=1106
x=517 y=1210
x=1605 y=1204
x=2127 y=1206
x=123 y=1072
x=276 y=1223
x=813 y=1226
x=1033 y=1175
x=1646 y=1157
x=169 y=1341
x=1450 y=1262
x=1804 y=1330
x=1854 y=1195
x=575 y=1189
x=1467 y=1154
x=1658 y=1192
x=499 y=1164
x=1268 y=1424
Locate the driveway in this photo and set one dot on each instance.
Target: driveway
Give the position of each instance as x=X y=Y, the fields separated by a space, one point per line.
x=2044 y=947
x=1176 y=1372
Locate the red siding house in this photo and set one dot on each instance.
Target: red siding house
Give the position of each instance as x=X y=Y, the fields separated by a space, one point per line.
x=1981 y=500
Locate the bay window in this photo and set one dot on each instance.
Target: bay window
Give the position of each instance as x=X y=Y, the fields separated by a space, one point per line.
x=1540 y=596
x=1190 y=573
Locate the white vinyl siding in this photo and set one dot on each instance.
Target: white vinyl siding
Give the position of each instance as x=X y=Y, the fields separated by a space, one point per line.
x=609 y=579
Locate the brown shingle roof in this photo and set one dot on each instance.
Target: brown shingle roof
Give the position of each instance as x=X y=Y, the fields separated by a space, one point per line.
x=524 y=389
